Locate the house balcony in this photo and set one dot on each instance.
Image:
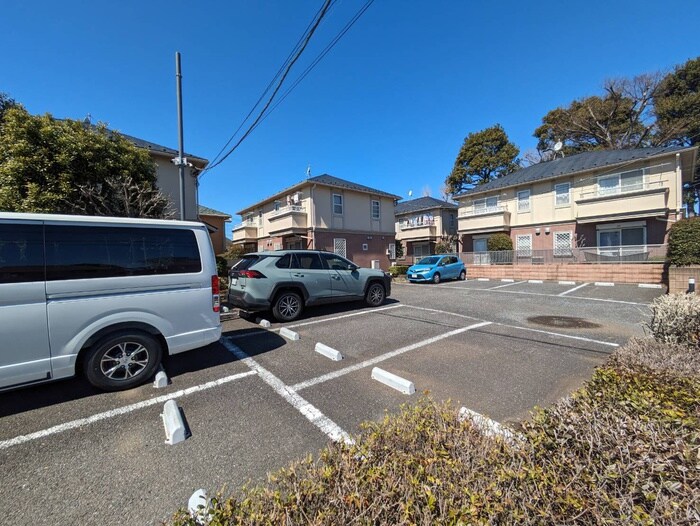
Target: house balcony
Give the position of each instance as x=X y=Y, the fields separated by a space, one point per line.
x=288 y=220
x=646 y=200
x=491 y=219
x=245 y=232
x=417 y=232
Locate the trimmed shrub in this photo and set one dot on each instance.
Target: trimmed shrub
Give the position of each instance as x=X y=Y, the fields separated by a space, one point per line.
x=398 y=270
x=656 y=357
x=499 y=242
x=684 y=242
x=676 y=319
x=621 y=450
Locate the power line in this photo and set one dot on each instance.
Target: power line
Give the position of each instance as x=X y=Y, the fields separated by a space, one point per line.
x=320 y=57
x=272 y=81
x=281 y=80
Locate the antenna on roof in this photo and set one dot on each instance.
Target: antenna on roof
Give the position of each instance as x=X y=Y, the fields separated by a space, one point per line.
x=557 y=148
x=308 y=171
x=410 y=193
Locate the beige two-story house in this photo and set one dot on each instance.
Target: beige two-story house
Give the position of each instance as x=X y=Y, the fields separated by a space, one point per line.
x=620 y=201
x=423 y=222
x=324 y=213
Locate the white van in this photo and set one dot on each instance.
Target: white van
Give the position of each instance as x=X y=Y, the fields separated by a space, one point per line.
x=101 y=296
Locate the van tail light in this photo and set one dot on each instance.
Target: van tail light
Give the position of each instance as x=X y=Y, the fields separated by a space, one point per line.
x=215 y=298
x=253 y=274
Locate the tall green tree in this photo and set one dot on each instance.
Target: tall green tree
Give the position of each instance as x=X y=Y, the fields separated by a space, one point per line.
x=5 y=104
x=677 y=106
x=622 y=118
x=484 y=156
x=66 y=166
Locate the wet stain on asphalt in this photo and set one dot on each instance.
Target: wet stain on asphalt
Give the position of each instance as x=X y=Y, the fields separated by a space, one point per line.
x=563 y=322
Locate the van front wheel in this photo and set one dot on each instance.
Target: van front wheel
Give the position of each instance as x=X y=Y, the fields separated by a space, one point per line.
x=122 y=360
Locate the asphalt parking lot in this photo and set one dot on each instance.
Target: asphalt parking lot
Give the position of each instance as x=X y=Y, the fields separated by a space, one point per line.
x=256 y=400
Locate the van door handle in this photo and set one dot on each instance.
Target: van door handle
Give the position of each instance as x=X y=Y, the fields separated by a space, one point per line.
x=298 y=275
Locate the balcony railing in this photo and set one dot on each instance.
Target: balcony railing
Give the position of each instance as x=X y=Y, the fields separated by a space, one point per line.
x=247 y=223
x=621 y=190
x=484 y=211
x=287 y=210
x=614 y=255
x=411 y=225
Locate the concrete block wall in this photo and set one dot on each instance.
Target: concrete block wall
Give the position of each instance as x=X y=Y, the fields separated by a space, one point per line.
x=652 y=273
x=678 y=278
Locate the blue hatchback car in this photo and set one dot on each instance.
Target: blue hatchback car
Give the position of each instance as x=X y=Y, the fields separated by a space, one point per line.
x=436 y=268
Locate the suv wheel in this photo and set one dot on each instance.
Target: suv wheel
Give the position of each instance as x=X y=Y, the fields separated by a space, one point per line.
x=375 y=295
x=122 y=360
x=287 y=307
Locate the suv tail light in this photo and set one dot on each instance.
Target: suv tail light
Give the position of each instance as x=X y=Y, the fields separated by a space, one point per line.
x=215 y=298
x=254 y=274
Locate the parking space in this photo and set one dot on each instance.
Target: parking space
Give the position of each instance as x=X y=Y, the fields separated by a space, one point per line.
x=257 y=400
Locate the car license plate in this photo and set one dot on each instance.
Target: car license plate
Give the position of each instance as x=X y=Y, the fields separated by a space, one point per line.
x=234 y=281
x=414 y=276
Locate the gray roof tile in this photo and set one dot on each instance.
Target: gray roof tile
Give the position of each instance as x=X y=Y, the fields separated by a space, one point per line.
x=422 y=203
x=570 y=165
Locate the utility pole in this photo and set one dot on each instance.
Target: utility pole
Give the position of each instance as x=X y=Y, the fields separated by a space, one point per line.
x=180 y=161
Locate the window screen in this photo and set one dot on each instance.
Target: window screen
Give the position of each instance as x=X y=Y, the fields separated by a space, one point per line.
x=83 y=252
x=21 y=253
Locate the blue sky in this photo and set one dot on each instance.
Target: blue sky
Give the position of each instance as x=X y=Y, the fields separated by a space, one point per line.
x=389 y=106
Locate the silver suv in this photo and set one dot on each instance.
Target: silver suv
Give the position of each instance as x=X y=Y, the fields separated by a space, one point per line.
x=286 y=281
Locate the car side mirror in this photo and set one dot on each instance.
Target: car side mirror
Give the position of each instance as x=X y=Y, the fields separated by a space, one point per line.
x=353 y=268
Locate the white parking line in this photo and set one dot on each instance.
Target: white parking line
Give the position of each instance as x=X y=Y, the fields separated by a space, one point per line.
x=571 y=290
x=313 y=415
x=558 y=334
x=506 y=285
x=120 y=411
x=383 y=357
x=363 y=312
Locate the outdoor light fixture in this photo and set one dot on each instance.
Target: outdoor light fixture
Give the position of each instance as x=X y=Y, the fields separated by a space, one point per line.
x=537 y=231
x=546 y=230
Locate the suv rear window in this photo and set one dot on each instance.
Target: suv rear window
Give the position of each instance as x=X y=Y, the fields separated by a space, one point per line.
x=284 y=261
x=246 y=262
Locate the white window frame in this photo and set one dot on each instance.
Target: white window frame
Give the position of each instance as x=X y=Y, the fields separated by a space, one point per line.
x=392 y=250
x=482 y=206
x=562 y=251
x=523 y=206
x=558 y=204
x=338 y=204
x=365 y=246
x=379 y=209
x=523 y=252
x=619 y=187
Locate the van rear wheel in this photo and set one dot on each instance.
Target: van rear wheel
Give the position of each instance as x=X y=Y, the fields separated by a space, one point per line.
x=123 y=360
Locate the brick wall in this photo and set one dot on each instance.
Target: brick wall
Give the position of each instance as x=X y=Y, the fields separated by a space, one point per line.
x=678 y=278
x=640 y=273
x=377 y=245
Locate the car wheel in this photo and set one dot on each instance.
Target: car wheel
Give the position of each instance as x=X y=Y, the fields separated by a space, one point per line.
x=436 y=278
x=375 y=295
x=287 y=307
x=122 y=360
x=463 y=275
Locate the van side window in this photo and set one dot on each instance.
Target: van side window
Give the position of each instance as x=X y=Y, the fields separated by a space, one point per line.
x=21 y=253
x=83 y=252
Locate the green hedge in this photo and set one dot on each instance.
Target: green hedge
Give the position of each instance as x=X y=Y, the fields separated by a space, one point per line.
x=623 y=449
x=499 y=242
x=684 y=242
x=398 y=270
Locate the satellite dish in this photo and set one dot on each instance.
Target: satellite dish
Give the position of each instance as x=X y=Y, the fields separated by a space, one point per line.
x=410 y=193
x=558 y=146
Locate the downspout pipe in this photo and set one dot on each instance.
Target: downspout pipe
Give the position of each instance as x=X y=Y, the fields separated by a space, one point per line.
x=313 y=218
